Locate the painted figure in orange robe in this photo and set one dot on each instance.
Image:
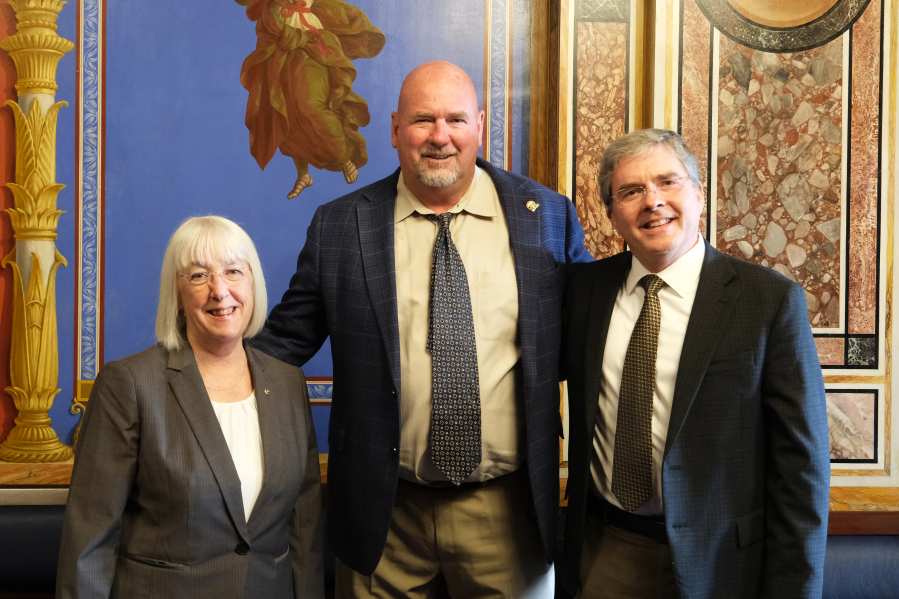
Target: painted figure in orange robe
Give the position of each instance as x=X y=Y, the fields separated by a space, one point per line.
x=300 y=80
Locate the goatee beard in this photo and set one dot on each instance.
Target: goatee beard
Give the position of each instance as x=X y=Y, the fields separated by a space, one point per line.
x=441 y=175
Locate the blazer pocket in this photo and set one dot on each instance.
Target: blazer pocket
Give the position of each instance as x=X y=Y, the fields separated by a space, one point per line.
x=336 y=437
x=744 y=359
x=750 y=528
x=155 y=563
x=283 y=556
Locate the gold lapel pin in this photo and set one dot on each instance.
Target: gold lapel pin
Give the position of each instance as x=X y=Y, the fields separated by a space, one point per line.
x=267 y=392
x=532 y=206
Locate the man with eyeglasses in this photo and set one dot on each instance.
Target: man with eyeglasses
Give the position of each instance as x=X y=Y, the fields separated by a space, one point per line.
x=698 y=448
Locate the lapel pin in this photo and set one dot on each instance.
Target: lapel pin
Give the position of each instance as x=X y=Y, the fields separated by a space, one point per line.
x=532 y=206
x=267 y=392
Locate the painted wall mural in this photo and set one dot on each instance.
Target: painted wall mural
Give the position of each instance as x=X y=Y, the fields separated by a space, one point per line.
x=157 y=132
x=300 y=84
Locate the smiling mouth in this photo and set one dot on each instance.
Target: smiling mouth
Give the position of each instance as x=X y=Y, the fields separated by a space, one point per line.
x=657 y=223
x=222 y=311
x=437 y=156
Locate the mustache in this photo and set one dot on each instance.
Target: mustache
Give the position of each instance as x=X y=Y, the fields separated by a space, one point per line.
x=435 y=152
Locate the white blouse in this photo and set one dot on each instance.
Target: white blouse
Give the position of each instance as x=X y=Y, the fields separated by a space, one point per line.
x=240 y=425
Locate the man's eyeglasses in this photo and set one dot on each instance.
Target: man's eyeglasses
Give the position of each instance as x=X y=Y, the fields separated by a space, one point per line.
x=666 y=188
x=232 y=276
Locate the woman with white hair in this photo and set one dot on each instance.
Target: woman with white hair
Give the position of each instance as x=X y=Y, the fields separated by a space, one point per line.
x=196 y=471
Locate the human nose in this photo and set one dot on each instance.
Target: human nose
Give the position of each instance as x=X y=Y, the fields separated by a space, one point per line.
x=218 y=286
x=440 y=133
x=652 y=197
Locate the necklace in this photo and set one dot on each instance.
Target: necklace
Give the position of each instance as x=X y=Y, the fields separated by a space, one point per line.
x=242 y=374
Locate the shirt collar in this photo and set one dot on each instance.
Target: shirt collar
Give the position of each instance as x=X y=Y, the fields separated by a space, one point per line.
x=474 y=203
x=681 y=276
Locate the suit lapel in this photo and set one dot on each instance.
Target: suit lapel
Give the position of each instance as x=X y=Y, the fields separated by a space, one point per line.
x=188 y=389
x=605 y=289
x=375 y=219
x=715 y=297
x=270 y=425
x=524 y=239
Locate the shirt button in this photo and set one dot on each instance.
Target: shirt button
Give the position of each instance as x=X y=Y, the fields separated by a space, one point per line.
x=242 y=548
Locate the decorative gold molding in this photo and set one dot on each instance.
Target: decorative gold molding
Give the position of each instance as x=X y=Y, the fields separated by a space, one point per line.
x=35 y=215
x=34 y=367
x=36 y=48
x=34 y=362
x=79 y=405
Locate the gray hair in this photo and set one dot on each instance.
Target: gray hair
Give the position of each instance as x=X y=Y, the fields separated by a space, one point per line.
x=641 y=142
x=205 y=240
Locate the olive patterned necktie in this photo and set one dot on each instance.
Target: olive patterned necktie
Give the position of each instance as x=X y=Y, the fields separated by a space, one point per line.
x=632 y=460
x=456 y=397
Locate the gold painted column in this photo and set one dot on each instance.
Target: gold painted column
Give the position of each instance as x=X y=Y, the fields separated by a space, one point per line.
x=34 y=356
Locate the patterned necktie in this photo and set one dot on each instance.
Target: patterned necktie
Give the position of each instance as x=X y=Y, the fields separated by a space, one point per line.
x=456 y=410
x=632 y=461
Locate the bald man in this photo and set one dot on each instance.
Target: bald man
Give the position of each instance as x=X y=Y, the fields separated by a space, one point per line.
x=440 y=287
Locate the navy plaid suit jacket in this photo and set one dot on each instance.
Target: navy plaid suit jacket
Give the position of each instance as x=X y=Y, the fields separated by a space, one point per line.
x=746 y=468
x=345 y=288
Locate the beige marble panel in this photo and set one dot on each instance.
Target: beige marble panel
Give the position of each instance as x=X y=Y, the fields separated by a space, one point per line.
x=850 y=419
x=844 y=499
x=779 y=166
x=600 y=116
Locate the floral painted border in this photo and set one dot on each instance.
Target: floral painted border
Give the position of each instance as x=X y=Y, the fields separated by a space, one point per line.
x=91 y=28
x=497 y=61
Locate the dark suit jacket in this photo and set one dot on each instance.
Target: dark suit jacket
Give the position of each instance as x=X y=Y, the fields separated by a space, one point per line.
x=746 y=465
x=345 y=287
x=155 y=508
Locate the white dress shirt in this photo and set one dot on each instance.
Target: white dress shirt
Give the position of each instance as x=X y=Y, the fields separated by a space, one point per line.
x=240 y=425
x=676 y=299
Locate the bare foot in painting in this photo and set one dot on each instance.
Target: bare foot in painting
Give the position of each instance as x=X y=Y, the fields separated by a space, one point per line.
x=303 y=181
x=349 y=172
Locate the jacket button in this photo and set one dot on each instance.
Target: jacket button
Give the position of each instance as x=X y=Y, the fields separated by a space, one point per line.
x=242 y=548
x=395 y=451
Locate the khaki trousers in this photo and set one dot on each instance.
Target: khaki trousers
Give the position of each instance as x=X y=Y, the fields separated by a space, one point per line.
x=483 y=541
x=617 y=564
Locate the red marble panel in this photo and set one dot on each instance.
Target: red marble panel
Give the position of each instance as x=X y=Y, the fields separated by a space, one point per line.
x=695 y=85
x=696 y=34
x=831 y=351
x=863 y=168
x=779 y=166
x=8 y=410
x=600 y=114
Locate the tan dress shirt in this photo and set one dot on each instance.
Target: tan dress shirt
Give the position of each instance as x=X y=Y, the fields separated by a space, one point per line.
x=481 y=236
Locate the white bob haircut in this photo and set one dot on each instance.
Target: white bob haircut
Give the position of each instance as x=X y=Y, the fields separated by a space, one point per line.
x=205 y=240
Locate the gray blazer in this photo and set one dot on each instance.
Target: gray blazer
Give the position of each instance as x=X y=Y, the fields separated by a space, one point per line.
x=155 y=507
x=746 y=469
